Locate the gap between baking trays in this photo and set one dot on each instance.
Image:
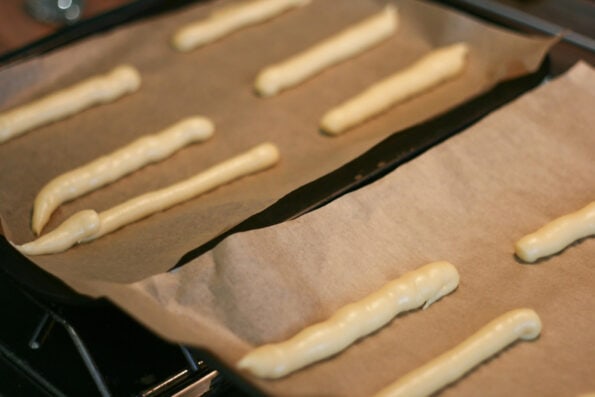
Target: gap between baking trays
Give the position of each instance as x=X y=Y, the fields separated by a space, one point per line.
x=381 y=159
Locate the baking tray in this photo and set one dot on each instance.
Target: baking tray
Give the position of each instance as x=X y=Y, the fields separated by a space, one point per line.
x=379 y=160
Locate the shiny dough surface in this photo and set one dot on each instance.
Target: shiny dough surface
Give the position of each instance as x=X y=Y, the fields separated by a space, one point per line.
x=340 y=47
x=517 y=324
x=69 y=101
x=229 y=19
x=557 y=235
x=422 y=286
x=88 y=225
x=111 y=167
x=429 y=71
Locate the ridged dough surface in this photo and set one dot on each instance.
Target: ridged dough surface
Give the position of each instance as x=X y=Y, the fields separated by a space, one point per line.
x=422 y=286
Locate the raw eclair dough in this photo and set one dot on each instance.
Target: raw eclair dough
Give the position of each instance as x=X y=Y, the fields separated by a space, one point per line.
x=66 y=102
x=72 y=231
x=429 y=71
x=106 y=169
x=496 y=335
x=227 y=20
x=422 y=286
x=344 y=45
x=557 y=235
x=88 y=225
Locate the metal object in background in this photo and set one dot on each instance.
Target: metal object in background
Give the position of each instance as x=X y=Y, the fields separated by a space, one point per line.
x=511 y=14
x=58 y=12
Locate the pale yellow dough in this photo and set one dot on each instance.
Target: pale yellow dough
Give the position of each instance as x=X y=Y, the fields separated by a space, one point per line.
x=72 y=231
x=496 y=335
x=87 y=225
x=557 y=235
x=429 y=71
x=420 y=287
x=227 y=20
x=61 y=104
x=145 y=150
x=342 y=46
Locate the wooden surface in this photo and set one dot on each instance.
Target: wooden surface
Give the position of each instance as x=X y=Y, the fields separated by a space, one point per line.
x=17 y=28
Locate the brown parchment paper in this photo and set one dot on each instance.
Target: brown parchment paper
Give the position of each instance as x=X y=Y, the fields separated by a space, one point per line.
x=216 y=81
x=466 y=201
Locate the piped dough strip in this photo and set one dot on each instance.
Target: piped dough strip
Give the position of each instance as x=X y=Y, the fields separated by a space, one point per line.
x=340 y=47
x=420 y=287
x=56 y=106
x=431 y=70
x=227 y=20
x=517 y=324
x=88 y=225
x=106 y=169
x=557 y=235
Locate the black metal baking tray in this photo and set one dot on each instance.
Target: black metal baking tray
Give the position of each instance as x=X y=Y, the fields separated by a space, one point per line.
x=379 y=160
